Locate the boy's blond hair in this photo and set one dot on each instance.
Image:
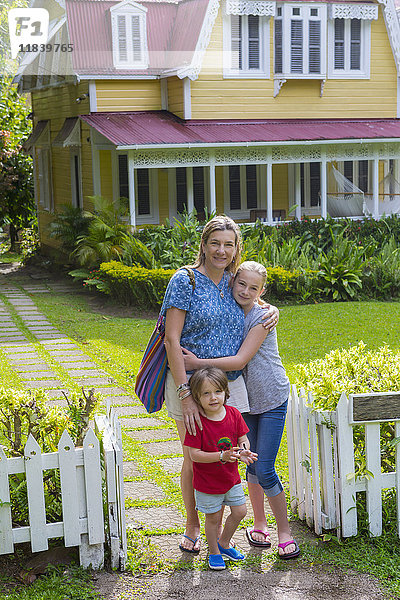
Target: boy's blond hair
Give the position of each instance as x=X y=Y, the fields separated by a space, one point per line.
x=216 y=376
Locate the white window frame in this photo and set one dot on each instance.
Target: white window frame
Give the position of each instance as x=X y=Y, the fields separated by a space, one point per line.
x=172 y=196
x=386 y=171
x=307 y=209
x=129 y=9
x=304 y=16
x=44 y=164
x=153 y=217
x=76 y=201
x=264 y=71
x=356 y=178
x=244 y=212
x=365 y=55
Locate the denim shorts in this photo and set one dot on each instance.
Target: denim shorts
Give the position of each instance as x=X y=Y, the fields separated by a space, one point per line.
x=212 y=503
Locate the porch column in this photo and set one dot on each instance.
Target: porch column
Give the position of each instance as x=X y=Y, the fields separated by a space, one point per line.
x=269 y=192
x=375 y=187
x=324 y=202
x=297 y=190
x=213 y=200
x=131 y=180
x=189 y=188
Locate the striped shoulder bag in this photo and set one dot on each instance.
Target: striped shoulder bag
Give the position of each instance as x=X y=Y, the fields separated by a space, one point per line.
x=150 y=380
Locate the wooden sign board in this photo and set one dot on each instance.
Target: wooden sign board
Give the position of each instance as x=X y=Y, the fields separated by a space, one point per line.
x=379 y=406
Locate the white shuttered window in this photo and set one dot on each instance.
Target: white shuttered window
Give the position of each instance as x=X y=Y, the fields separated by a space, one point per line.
x=300 y=40
x=349 y=42
x=129 y=36
x=246 y=47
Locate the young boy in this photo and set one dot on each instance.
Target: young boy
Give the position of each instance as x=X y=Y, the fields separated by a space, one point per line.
x=215 y=451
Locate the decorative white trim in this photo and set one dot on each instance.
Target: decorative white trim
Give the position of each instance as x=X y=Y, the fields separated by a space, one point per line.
x=321 y=91
x=393 y=28
x=194 y=68
x=278 y=83
x=259 y=8
x=368 y=12
x=278 y=154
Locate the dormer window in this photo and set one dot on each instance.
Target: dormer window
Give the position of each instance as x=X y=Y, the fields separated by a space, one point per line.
x=129 y=37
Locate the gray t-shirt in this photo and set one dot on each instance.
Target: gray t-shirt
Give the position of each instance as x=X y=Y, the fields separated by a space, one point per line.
x=266 y=381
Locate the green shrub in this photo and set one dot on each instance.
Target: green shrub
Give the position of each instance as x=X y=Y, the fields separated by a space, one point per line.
x=135 y=285
x=355 y=370
x=22 y=414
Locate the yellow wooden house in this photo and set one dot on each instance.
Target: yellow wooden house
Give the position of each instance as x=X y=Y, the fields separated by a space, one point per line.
x=252 y=108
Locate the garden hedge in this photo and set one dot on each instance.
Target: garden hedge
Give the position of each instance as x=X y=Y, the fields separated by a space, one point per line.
x=146 y=287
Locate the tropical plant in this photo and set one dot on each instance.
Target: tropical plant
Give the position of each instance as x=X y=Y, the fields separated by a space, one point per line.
x=68 y=225
x=105 y=235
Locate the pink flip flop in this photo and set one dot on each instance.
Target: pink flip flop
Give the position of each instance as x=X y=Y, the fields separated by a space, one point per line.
x=293 y=554
x=253 y=542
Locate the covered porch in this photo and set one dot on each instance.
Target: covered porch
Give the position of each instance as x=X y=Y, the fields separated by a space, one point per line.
x=274 y=170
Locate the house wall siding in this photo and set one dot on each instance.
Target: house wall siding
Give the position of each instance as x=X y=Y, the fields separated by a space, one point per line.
x=214 y=97
x=124 y=95
x=175 y=96
x=56 y=104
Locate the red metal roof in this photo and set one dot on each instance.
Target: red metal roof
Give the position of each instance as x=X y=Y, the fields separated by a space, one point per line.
x=173 y=30
x=161 y=127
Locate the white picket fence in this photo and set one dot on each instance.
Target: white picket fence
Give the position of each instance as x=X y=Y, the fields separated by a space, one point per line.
x=81 y=492
x=322 y=478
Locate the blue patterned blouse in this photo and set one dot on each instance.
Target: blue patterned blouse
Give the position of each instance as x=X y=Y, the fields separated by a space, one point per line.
x=213 y=325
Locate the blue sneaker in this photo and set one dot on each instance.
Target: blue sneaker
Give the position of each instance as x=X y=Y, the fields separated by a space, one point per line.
x=230 y=553
x=216 y=562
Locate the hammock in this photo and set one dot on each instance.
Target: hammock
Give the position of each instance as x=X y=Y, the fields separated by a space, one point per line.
x=344 y=199
x=389 y=197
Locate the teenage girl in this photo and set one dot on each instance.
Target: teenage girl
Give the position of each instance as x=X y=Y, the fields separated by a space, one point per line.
x=268 y=390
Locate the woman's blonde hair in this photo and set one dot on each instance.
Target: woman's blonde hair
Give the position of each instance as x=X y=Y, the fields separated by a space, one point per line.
x=220 y=223
x=254 y=267
x=216 y=376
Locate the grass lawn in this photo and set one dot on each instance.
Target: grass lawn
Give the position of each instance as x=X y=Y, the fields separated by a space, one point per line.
x=305 y=333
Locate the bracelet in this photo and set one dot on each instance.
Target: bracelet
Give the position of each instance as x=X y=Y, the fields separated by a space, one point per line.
x=185 y=395
x=220 y=457
x=182 y=386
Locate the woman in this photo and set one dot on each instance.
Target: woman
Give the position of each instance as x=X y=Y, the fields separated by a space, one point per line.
x=207 y=321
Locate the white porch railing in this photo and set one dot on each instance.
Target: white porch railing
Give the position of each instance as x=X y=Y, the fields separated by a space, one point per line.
x=322 y=478
x=80 y=472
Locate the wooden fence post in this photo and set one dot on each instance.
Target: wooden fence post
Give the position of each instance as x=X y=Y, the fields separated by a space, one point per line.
x=345 y=454
x=6 y=536
x=290 y=446
x=374 y=483
x=36 y=502
x=69 y=490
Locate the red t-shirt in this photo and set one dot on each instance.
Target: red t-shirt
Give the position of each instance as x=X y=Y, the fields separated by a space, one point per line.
x=216 y=478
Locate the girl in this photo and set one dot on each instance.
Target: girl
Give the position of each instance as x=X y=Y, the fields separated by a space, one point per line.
x=214 y=451
x=206 y=320
x=268 y=390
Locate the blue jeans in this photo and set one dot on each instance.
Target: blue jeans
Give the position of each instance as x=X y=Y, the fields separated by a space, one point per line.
x=265 y=434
